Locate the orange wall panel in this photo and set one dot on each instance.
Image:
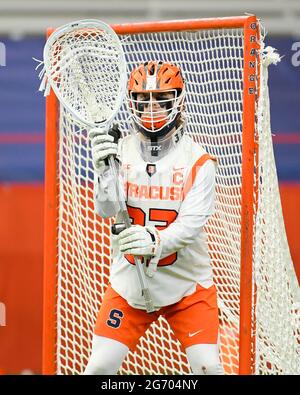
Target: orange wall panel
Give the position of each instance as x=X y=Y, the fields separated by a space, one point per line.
x=21 y=269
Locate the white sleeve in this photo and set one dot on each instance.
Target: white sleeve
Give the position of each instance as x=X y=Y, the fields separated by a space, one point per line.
x=194 y=212
x=106 y=202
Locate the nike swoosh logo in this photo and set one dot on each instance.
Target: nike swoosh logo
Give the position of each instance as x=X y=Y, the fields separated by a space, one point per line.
x=195 y=333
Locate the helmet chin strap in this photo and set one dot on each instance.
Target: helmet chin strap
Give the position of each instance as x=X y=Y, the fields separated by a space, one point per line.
x=163 y=132
x=153 y=149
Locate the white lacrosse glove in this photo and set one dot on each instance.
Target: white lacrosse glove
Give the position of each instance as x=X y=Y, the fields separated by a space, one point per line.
x=103 y=145
x=136 y=240
x=142 y=241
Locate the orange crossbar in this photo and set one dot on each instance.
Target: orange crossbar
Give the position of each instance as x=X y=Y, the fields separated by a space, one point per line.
x=178 y=25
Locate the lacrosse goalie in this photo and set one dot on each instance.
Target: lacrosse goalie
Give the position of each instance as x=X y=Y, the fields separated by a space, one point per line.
x=169 y=184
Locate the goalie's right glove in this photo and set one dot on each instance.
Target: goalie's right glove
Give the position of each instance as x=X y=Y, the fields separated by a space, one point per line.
x=103 y=145
x=142 y=241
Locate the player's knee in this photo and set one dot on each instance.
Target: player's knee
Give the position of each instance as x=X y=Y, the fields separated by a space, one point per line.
x=99 y=367
x=106 y=357
x=204 y=359
x=213 y=370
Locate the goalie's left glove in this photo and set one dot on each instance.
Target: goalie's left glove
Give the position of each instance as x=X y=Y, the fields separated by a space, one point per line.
x=103 y=144
x=141 y=241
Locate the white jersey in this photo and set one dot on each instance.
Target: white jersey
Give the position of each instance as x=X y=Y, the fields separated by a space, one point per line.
x=176 y=195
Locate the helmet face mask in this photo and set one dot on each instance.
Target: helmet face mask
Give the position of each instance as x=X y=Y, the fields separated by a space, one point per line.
x=156 y=93
x=152 y=112
x=156 y=97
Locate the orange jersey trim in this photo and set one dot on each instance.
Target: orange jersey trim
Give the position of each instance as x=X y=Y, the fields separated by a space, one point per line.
x=193 y=173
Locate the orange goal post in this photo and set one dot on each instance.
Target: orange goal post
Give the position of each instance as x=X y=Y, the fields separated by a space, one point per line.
x=225 y=64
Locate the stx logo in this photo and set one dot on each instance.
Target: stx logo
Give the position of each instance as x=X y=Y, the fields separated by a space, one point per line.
x=154 y=148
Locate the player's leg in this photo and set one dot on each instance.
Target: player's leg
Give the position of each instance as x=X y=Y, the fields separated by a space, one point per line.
x=106 y=357
x=195 y=323
x=204 y=359
x=118 y=328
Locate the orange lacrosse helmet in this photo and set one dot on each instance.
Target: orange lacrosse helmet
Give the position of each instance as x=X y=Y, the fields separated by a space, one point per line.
x=155 y=76
x=156 y=98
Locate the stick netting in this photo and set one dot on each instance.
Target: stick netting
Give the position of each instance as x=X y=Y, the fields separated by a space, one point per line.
x=212 y=62
x=85 y=67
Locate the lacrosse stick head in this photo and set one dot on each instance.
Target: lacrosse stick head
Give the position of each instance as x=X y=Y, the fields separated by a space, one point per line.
x=85 y=66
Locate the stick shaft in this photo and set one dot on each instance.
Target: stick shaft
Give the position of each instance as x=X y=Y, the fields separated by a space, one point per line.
x=126 y=219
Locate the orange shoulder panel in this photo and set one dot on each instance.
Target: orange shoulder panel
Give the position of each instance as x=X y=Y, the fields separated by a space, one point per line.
x=193 y=173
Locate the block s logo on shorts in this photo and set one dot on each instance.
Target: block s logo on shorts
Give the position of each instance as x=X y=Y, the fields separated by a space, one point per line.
x=115 y=317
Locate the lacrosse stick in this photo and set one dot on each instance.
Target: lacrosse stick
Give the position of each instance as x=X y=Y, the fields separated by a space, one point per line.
x=84 y=64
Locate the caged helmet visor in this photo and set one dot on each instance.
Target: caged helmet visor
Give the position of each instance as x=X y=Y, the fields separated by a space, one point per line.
x=156 y=97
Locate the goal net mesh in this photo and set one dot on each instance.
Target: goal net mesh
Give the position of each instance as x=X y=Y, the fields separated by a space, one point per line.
x=212 y=63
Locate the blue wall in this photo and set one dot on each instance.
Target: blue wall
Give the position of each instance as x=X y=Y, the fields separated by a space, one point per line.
x=22 y=112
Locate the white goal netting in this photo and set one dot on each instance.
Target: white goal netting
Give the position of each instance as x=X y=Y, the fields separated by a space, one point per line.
x=212 y=62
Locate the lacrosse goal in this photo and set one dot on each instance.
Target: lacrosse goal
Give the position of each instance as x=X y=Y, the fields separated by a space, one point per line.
x=225 y=66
